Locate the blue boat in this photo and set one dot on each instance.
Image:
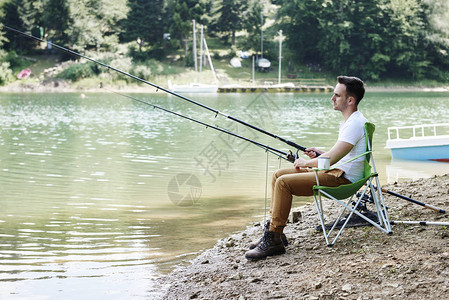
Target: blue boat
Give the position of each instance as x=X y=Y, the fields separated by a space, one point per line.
x=419 y=142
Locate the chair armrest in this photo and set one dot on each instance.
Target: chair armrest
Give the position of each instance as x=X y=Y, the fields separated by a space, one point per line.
x=354 y=158
x=336 y=166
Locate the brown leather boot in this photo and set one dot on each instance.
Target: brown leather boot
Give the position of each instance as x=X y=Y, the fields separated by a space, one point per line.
x=270 y=245
x=266 y=228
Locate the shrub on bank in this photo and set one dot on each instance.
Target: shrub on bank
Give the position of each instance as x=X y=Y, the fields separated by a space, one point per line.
x=77 y=71
x=6 y=74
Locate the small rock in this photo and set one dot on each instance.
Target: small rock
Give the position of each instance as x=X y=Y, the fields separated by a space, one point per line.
x=237 y=276
x=346 y=288
x=318 y=285
x=205 y=262
x=295 y=217
x=230 y=243
x=389 y=265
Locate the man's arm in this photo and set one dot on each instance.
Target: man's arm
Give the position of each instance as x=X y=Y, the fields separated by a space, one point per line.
x=337 y=152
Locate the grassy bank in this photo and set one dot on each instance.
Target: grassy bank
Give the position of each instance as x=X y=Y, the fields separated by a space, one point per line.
x=49 y=70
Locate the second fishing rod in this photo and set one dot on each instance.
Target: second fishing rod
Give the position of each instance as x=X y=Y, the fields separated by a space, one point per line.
x=217 y=112
x=278 y=153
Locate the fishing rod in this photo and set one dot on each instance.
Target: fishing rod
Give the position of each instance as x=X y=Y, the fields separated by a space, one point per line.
x=420 y=223
x=288 y=156
x=414 y=201
x=384 y=190
x=290 y=143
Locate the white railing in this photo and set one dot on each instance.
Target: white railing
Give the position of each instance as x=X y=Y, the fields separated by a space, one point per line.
x=417 y=129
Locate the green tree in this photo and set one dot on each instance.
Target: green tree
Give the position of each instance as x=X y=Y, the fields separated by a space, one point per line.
x=145 y=21
x=30 y=13
x=367 y=38
x=252 y=24
x=229 y=17
x=11 y=17
x=5 y=71
x=357 y=34
x=55 y=20
x=94 y=24
x=184 y=11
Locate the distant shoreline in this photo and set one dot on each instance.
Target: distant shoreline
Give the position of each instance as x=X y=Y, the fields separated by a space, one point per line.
x=66 y=87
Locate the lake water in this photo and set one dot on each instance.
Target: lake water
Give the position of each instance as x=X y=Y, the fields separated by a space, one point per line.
x=100 y=194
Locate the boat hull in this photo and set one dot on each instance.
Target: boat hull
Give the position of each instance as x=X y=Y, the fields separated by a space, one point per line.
x=426 y=142
x=193 y=88
x=439 y=153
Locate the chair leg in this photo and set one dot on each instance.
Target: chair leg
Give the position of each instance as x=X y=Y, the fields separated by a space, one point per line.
x=384 y=224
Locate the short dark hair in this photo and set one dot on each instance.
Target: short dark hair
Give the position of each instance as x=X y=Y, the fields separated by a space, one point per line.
x=354 y=87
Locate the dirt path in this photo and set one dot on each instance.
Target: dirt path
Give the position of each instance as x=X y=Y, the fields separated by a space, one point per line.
x=365 y=263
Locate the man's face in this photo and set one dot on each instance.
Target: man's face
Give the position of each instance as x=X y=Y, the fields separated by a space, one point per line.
x=339 y=98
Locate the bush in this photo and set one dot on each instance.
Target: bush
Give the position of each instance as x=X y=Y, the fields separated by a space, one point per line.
x=142 y=71
x=16 y=62
x=6 y=74
x=124 y=64
x=136 y=54
x=155 y=52
x=77 y=71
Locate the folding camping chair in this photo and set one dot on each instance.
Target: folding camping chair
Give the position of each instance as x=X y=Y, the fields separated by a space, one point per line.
x=348 y=191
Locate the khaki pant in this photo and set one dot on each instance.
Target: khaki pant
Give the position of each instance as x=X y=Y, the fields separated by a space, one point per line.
x=291 y=181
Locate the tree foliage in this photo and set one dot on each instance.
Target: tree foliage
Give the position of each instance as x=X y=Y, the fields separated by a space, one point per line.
x=367 y=38
x=93 y=23
x=184 y=11
x=146 y=21
x=228 y=17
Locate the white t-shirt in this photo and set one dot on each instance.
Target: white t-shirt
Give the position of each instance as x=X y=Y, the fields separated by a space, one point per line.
x=352 y=131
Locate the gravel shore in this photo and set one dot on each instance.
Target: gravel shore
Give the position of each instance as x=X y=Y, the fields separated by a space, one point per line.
x=365 y=263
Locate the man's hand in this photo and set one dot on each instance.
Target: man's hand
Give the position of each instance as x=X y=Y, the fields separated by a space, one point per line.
x=300 y=163
x=311 y=152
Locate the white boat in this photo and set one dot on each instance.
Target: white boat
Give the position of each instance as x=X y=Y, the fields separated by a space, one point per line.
x=193 y=88
x=422 y=142
x=197 y=87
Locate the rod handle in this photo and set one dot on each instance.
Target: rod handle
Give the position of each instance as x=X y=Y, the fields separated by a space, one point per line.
x=415 y=201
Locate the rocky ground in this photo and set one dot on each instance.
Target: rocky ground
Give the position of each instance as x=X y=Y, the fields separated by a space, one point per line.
x=365 y=263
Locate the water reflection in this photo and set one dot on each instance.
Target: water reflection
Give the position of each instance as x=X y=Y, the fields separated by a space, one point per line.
x=400 y=170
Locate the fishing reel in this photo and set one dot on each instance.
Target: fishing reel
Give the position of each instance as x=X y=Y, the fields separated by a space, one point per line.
x=292 y=157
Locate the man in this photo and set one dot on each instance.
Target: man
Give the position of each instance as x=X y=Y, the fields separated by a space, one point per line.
x=300 y=179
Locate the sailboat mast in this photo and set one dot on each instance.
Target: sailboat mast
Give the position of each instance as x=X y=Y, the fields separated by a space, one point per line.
x=194 y=46
x=280 y=55
x=201 y=48
x=261 y=35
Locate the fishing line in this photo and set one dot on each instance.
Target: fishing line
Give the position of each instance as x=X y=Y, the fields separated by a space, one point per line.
x=267 y=148
x=266 y=191
x=290 y=143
